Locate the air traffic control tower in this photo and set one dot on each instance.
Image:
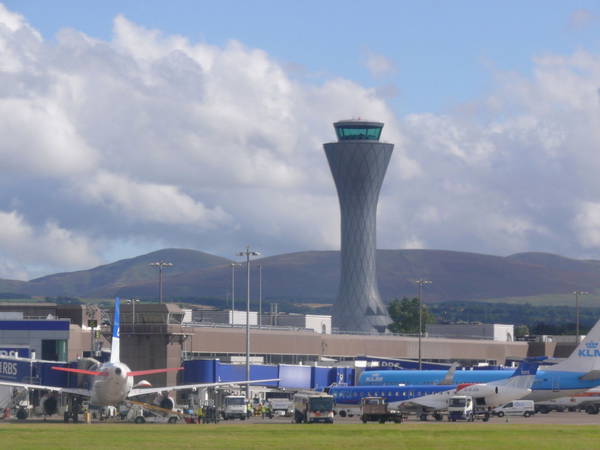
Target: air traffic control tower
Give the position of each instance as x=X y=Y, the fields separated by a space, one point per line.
x=358 y=162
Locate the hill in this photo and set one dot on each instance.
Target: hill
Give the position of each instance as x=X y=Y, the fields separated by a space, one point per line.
x=313 y=277
x=105 y=280
x=308 y=277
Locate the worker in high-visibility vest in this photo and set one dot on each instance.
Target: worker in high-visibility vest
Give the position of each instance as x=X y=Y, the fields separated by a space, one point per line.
x=199 y=413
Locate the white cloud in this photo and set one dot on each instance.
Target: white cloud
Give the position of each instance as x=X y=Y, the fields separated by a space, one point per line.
x=12 y=21
x=152 y=138
x=24 y=247
x=139 y=202
x=587 y=224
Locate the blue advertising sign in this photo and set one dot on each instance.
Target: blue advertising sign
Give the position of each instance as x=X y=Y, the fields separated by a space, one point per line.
x=14 y=352
x=15 y=370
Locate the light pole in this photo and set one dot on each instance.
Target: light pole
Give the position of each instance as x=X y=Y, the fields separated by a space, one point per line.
x=160 y=265
x=259 y=295
x=233 y=266
x=133 y=301
x=248 y=253
x=420 y=284
x=577 y=294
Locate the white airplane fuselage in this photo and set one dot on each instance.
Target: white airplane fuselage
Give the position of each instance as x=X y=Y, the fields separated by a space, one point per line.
x=111 y=389
x=492 y=395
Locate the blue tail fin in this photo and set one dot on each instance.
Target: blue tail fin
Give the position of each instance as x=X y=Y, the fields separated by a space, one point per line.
x=115 y=355
x=527 y=367
x=523 y=377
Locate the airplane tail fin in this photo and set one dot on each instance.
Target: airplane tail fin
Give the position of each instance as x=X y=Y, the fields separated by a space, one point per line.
x=523 y=377
x=115 y=355
x=586 y=357
x=449 y=377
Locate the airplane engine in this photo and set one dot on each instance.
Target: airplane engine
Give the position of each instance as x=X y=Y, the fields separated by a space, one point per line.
x=50 y=405
x=167 y=402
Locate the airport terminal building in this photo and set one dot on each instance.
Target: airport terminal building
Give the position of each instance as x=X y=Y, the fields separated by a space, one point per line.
x=158 y=336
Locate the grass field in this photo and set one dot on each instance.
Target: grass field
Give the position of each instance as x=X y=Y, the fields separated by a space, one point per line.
x=404 y=436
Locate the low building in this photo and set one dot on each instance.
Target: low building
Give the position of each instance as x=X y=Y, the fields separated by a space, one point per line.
x=492 y=331
x=204 y=316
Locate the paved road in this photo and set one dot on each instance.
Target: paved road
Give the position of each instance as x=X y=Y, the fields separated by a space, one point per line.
x=554 y=418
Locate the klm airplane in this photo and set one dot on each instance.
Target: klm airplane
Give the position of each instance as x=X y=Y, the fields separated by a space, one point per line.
x=424 y=399
x=578 y=373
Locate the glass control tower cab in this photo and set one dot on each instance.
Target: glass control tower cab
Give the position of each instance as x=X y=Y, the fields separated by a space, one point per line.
x=358 y=162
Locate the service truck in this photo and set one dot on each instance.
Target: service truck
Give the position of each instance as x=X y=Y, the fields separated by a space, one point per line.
x=234 y=407
x=143 y=413
x=462 y=407
x=375 y=409
x=309 y=408
x=281 y=402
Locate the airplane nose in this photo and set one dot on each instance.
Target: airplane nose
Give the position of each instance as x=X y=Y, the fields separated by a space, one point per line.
x=118 y=371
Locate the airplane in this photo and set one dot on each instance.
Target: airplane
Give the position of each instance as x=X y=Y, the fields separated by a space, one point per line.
x=112 y=382
x=424 y=399
x=578 y=373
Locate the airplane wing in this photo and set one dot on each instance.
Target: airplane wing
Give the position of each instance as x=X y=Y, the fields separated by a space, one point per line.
x=413 y=406
x=142 y=391
x=591 y=375
x=430 y=402
x=77 y=391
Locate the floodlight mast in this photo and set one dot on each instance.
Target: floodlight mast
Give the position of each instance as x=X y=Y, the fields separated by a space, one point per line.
x=577 y=294
x=160 y=265
x=248 y=253
x=420 y=284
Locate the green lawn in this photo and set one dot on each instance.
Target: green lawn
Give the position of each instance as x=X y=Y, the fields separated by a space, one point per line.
x=274 y=436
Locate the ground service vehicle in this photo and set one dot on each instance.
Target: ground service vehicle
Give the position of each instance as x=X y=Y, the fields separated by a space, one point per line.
x=234 y=407
x=152 y=414
x=524 y=408
x=309 y=408
x=281 y=402
x=460 y=407
x=464 y=407
x=375 y=409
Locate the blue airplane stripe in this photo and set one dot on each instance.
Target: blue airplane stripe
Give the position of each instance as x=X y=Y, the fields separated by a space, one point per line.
x=544 y=380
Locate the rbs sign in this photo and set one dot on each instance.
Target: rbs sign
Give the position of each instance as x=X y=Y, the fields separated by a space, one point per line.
x=14 y=370
x=8 y=369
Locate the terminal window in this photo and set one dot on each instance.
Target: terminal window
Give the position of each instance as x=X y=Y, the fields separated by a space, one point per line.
x=54 y=349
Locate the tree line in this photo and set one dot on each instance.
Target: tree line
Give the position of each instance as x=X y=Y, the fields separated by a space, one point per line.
x=527 y=318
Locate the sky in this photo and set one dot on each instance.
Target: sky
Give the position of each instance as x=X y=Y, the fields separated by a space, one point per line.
x=130 y=126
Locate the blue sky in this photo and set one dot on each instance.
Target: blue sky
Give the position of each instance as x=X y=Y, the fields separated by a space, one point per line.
x=444 y=52
x=130 y=126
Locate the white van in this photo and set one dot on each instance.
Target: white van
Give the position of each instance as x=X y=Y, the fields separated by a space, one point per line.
x=524 y=408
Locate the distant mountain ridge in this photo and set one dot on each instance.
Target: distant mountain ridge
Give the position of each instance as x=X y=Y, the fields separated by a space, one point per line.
x=110 y=277
x=313 y=276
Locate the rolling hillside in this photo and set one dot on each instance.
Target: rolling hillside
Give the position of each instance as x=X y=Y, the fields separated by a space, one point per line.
x=313 y=277
x=108 y=278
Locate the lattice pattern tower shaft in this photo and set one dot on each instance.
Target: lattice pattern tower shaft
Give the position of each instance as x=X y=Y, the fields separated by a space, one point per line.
x=358 y=163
